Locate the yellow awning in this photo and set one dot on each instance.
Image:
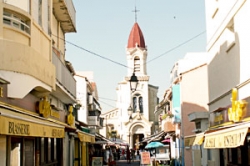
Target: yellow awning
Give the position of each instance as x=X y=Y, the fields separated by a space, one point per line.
x=226 y=138
x=17 y=123
x=85 y=137
x=188 y=141
x=199 y=138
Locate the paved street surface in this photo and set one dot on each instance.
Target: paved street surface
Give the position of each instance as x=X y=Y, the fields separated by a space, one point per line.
x=124 y=163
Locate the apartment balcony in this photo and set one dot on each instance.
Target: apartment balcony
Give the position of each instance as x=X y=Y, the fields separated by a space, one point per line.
x=64 y=11
x=95 y=112
x=65 y=81
x=94 y=121
x=24 y=67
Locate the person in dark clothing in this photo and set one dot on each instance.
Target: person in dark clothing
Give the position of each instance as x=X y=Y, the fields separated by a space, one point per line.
x=118 y=153
x=128 y=155
x=138 y=154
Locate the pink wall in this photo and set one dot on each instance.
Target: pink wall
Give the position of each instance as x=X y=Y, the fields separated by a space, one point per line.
x=194 y=98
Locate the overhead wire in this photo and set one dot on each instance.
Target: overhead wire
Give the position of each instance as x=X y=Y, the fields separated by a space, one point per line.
x=168 y=51
x=179 y=45
x=103 y=57
x=91 y=52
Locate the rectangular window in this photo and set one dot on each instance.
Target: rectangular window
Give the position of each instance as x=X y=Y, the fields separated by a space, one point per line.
x=198 y=125
x=141 y=104
x=29 y=152
x=40 y=12
x=55 y=150
x=42 y=150
x=49 y=150
x=134 y=104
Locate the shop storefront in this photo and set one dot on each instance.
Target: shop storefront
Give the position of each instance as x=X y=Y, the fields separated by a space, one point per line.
x=83 y=151
x=29 y=140
x=227 y=139
x=232 y=143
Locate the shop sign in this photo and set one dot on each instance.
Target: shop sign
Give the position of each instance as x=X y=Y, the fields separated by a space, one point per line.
x=176 y=103
x=218 y=117
x=19 y=128
x=86 y=138
x=239 y=108
x=57 y=133
x=97 y=161
x=12 y=126
x=227 y=139
x=145 y=158
x=188 y=141
x=81 y=137
x=55 y=114
x=70 y=117
x=44 y=107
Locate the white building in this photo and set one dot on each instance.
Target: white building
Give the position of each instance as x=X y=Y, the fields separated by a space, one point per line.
x=133 y=127
x=228 y=40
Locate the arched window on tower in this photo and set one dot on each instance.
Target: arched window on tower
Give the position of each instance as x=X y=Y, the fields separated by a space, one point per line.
x=137 y=103
x=137 y=64
x=141 y=104
x=134 y=103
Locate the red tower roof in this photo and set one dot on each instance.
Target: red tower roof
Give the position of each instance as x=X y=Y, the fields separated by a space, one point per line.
x=136 y=37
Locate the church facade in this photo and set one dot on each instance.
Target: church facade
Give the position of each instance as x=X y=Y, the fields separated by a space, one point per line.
x=134 y=118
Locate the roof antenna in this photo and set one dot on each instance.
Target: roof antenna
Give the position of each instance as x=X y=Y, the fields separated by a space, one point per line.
x=135 y=13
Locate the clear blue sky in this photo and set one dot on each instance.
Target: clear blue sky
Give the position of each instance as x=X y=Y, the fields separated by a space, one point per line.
x=103 y=27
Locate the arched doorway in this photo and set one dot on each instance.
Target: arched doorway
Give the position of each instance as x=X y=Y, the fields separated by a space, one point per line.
x=137 y=136
x=137 y=141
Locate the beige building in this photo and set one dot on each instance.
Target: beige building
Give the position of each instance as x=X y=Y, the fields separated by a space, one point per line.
x=134 y=118
x=37 y=87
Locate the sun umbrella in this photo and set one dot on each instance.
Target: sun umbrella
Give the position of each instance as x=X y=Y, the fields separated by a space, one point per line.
x=166 y=140
x=154 y=145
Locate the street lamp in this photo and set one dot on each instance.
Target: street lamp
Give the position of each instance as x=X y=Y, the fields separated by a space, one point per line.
x=133 y=82
x=130 y=110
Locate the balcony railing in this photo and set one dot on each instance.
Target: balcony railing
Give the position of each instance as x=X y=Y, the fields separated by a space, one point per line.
x=94 y=121
x=66 y=14
x=94 y=112
x=63 y=76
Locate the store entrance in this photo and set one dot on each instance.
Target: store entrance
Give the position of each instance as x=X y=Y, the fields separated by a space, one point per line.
x=137 y=139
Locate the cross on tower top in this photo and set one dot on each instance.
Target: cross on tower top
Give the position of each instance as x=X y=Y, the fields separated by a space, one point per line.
x=135 y=13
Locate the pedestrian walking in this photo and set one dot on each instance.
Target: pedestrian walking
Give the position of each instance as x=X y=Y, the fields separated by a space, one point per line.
x=138 y=154
x=128 y=155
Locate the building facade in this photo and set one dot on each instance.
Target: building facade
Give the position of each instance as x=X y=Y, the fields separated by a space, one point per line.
x=37 y=87
x=88 y=120
x=184 y=97
x=228 y=82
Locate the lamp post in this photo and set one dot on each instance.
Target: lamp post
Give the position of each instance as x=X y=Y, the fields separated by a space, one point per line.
x=130 y=110
x=133 y=82
x=133 y=85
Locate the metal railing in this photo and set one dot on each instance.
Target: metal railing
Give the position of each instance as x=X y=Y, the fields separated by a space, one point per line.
x=63 y=76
